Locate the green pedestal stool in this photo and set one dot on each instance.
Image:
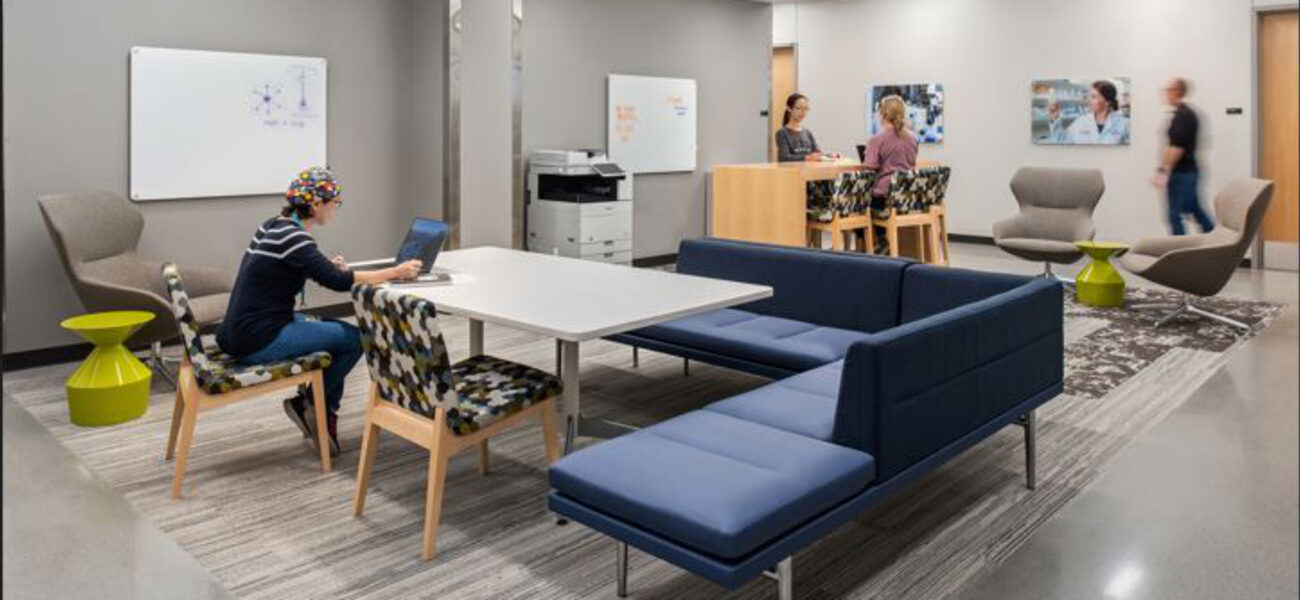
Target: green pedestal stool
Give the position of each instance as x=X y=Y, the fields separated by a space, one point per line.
x=111 y=385
x=1099 y=284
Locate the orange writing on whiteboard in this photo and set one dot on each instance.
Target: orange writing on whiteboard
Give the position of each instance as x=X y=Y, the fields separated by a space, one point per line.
x=624 y=121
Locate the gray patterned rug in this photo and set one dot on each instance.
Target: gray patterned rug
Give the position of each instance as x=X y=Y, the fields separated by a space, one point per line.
x=268 y=524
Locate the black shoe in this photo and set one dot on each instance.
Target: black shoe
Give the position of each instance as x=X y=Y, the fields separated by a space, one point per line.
x=332 y=428
x=296 y=409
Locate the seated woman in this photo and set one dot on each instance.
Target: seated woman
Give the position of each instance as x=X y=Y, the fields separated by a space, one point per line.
x=893 y=149
x=261 y=326
x=794 y=143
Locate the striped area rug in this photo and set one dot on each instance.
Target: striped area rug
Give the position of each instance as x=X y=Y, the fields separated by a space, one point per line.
x=260 y=515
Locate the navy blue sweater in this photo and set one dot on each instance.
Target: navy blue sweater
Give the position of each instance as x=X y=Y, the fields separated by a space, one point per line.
x=276 y=266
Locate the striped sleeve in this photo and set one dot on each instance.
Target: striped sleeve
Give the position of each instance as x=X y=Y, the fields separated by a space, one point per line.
x=285 y=240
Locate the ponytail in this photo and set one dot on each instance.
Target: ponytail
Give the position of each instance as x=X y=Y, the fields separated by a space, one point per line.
x=894 y=111
x=790 y=101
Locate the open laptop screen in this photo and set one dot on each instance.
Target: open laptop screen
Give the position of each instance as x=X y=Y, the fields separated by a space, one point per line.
x=423 y=242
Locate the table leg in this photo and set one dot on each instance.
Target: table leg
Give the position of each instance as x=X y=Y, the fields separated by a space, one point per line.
x=475 y=337
x=572 y=405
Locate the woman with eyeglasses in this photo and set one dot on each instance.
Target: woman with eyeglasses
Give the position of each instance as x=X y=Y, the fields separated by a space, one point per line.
x=261 y=326
x=794 y=143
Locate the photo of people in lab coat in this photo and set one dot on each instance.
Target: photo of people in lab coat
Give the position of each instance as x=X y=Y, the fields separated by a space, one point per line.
x=1081 y=111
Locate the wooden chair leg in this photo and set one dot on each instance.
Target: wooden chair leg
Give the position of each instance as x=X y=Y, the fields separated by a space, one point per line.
x=433 y=498
x=891 y=234
x=837 y=240
x=943 y=235
x=921 y=253
x=186 y=440
x=322 y=431
x=369 y=445
x=870 y=235
x=178 y=410
x=483 y=457
x=550 y=432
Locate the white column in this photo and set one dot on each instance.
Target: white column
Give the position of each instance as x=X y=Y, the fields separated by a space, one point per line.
x=485 y=131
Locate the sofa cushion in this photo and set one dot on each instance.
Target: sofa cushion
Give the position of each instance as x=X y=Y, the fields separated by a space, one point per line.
x=836 y=289
x=715 y=483
x=784 y=343
x=802 y=404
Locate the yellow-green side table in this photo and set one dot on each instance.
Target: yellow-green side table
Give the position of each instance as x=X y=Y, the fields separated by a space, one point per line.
x=111 y=385
x=1099 y=284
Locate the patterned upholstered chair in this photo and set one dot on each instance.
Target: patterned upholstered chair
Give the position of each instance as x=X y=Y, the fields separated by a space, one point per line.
x=208 y=379
x=840 y=206
x=911 y=201
x=418 y=394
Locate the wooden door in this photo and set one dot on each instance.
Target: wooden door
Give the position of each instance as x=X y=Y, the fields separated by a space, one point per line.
x=1279 y=123
x=783 y=84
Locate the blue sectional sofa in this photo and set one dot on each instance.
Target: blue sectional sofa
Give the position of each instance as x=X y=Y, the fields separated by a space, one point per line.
x=893 y=368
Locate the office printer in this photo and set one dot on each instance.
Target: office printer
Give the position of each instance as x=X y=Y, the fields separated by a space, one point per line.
x=579 y=205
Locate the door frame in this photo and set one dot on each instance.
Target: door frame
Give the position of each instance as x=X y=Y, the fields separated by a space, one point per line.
x=773 y=115
x=1257 y=259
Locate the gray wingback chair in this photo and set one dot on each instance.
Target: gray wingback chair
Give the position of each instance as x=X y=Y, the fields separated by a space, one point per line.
x=96 y=234
x=1200 y=265
x=1056 y=208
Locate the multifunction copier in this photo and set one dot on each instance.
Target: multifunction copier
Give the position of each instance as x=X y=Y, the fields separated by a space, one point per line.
x=579 y=205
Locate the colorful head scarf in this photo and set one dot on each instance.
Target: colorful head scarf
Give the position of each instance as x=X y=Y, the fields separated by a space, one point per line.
x=315 y=184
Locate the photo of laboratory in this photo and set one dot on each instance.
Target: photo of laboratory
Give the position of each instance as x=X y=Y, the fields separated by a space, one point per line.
x=1081 y=111
x=924 y=108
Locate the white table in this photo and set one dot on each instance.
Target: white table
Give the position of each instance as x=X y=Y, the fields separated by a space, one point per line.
x=572 y=301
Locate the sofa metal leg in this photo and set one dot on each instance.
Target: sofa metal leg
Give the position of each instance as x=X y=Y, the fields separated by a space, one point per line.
x=1031 y=449
x=686 y=367
x=621 y=563
x=1065 y=281
x=785 y=579
x=559 y=358
x=636 y=357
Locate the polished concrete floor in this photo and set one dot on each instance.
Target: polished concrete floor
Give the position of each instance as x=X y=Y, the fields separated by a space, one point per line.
x=1203 y=506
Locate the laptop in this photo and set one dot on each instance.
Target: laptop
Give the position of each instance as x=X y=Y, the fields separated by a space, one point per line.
x=423 y=242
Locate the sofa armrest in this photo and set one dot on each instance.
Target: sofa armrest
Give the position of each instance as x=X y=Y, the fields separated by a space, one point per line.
x=909 y=391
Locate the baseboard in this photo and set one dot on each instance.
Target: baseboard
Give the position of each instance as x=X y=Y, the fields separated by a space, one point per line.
x=655 y=261
x=43 y=357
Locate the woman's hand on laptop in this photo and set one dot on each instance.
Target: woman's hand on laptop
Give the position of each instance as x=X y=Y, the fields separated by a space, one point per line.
x=407 y=270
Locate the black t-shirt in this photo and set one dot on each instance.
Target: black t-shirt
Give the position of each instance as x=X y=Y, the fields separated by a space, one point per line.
x=1183 y=131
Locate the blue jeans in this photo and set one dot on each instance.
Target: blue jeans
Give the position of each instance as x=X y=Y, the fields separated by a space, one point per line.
x=341 y=340
x=1185 y=199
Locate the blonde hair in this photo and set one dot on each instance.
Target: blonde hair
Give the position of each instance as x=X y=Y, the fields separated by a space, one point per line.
x=893 y=111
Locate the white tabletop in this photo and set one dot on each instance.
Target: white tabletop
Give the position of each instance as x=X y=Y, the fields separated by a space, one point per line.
x=570 y=299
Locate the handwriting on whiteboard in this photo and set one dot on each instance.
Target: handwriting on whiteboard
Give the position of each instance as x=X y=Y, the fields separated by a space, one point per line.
x=625 y=120
x=678 y=104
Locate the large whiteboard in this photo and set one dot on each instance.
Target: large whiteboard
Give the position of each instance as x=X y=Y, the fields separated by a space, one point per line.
x=221 y=123
x=652 y=123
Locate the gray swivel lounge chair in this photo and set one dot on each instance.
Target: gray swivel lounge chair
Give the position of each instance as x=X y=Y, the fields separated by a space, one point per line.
x=1055 y=211
x=1200 y=265
x=96 y=234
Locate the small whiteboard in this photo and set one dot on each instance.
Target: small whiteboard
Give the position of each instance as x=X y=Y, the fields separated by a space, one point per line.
x=652 y=123
x=209 y=124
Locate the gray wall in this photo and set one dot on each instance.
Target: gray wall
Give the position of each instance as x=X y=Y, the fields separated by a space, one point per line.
x=65 y=95
x=429 y=24
x=571 y=45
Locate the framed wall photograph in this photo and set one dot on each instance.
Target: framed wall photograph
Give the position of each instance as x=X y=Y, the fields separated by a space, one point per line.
x=924 y=108
x=1080 y=111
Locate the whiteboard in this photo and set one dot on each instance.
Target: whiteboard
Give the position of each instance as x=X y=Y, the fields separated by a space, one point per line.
x=651 y=123
x=209 y=124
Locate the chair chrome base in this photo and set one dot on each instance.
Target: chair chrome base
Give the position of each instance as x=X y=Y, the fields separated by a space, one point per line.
x=1068 y=282
x=1187 y=307
x=158 y=363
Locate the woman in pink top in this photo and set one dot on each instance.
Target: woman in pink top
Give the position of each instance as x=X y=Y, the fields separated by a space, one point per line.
x=893 y=149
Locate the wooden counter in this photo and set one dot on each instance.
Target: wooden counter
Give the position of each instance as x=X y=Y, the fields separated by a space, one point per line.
x=767 y=202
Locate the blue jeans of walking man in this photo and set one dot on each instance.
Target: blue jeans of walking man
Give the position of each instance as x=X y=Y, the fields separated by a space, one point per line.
x=1184 y=198
x=341 y=340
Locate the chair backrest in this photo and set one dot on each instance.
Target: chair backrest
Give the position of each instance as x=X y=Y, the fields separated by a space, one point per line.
x=918 y=189
x=89 y=226
x=405 y=351
x=1056 y=188
x=189 y=326
x=1240 y=207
